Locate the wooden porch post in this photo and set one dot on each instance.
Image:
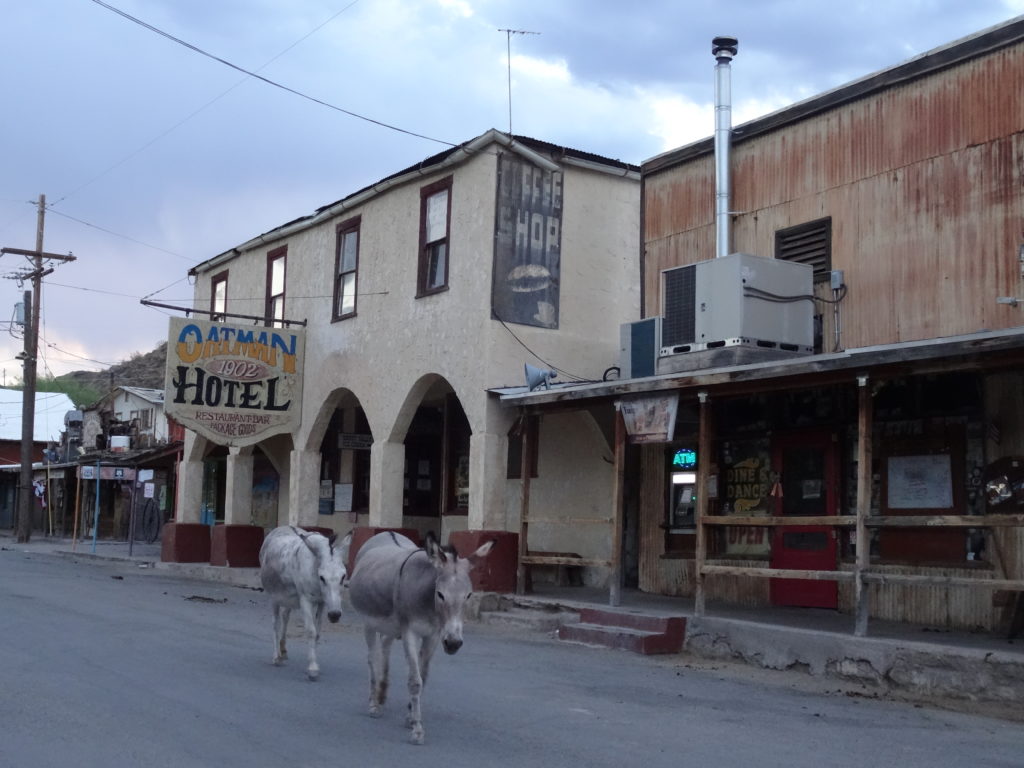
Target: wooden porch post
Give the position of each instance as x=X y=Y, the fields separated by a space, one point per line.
x=864 y=437
x=703 y=475
x=615 y=587
x=526 y=461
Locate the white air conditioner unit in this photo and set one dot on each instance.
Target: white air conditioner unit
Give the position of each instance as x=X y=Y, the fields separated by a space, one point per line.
x=733 y=310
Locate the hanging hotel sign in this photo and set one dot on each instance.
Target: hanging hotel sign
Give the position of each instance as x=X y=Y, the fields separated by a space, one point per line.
x=650 y=418
x=234 y=384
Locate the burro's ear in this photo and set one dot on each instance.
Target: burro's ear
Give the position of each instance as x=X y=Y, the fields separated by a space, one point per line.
x=482 y=551
x=433 y=549
x=346 y=545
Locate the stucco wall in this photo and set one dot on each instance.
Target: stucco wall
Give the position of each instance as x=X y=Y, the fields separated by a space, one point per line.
x=397 y=345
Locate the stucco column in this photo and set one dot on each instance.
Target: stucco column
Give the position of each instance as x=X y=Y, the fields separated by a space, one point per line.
x=303 y=487
x=190 y=491
x=238 y=497
x=387 y=470
x=487 y=478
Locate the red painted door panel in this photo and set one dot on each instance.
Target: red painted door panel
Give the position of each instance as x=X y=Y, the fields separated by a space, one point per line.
x=807 y=470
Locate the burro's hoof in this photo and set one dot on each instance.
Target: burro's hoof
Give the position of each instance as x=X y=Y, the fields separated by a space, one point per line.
x=279 y=661
x=313 y=674
x=376 y=710
x=416 y=737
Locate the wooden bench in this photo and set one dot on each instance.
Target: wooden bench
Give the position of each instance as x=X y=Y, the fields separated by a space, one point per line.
x=568 y=571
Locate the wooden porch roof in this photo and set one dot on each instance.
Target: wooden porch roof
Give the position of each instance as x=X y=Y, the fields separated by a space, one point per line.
x=983 y=351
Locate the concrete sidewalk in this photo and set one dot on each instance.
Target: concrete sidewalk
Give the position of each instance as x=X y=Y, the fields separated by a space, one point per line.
x=970 y=671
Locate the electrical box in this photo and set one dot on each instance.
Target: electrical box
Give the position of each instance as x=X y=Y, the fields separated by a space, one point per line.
x=638 y=348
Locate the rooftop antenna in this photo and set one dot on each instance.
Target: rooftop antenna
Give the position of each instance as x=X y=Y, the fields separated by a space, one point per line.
x=508 y=47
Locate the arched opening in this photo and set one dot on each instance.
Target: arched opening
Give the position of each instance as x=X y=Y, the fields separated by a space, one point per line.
x=435 y=484
x=344 y=460
x=266 y=489
x=213 y=502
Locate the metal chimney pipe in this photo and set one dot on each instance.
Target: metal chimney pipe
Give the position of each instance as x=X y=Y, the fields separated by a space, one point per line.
x=723 y=49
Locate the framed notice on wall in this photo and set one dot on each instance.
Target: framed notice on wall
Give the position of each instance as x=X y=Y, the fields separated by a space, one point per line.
x=920 y=482
x=343 y=497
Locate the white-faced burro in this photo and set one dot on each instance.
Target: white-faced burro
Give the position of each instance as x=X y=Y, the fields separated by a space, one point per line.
x=417 y=595
x=303 y=569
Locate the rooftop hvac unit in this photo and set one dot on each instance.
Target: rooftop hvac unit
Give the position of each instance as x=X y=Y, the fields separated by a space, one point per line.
x=638 y=348
x=733 y=310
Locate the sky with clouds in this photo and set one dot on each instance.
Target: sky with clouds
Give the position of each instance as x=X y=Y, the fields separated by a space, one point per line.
x=154 y=157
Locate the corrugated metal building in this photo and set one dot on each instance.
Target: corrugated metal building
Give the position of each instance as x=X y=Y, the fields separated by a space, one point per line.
x=860 y=471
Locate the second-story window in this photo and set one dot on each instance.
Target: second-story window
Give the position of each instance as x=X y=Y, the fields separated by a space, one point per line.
x=218 y=295
x=275 y=286
x=346 y=263
x=435 y=219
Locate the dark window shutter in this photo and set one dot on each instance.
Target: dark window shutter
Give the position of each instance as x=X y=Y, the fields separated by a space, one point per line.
x=809 y=243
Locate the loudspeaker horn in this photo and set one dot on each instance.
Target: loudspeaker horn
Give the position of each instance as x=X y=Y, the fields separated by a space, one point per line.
x=538 y=377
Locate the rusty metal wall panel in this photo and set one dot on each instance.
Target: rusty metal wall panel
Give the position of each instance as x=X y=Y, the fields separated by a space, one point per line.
x=925 y=187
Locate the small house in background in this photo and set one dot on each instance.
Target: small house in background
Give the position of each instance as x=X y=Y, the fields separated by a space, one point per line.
x=51 y=407
x=130 y=447
x=126 y=418
x=50 y=410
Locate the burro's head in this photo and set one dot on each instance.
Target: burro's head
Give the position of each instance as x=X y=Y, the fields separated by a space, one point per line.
x=453 y=587
x=331 y=572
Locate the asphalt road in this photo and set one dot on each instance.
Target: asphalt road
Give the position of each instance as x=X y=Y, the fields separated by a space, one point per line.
x=106 y=664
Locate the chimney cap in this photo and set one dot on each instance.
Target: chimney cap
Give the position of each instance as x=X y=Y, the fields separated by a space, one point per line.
x=724 y=47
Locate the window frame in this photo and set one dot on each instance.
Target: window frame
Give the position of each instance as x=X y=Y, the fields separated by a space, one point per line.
x=274 y=255
x=425 y=247
x=345 y=228
x=221 y=278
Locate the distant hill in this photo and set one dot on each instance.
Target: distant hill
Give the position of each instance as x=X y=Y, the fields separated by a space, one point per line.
x=140 y=370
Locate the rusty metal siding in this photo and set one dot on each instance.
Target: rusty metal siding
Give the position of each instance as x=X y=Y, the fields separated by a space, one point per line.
x=925 y=186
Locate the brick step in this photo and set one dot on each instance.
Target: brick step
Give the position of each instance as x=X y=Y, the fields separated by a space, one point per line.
x=626 y=638
x=644 y=621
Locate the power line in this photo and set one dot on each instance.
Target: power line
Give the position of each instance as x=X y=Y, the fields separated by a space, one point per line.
x=266 y=80
x=212 y=101
x=118 y=234
x=523 y=344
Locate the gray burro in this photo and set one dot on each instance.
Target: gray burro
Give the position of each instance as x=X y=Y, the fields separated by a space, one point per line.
x=973 y=672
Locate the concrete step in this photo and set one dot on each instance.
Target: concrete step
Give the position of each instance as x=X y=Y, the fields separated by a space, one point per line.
x=625 y=638
x=634 y=620
x=538 y=620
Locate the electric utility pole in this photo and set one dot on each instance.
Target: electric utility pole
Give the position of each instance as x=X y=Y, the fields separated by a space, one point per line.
x=508 y=49
x=29 y=355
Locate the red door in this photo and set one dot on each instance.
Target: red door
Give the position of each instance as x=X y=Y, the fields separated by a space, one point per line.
x=807 y=470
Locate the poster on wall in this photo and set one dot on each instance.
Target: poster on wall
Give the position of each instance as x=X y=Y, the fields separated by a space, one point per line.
x=747 y=492
x=527 y=243
x=920 y=482
x=343 y=497
x=234 y=384
x=650 y=418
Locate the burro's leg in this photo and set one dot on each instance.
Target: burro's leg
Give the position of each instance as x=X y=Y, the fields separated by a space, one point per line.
x=412 y=644
x=281 y=614
x=311 y=618
x=378 y=649
x=426 y=653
